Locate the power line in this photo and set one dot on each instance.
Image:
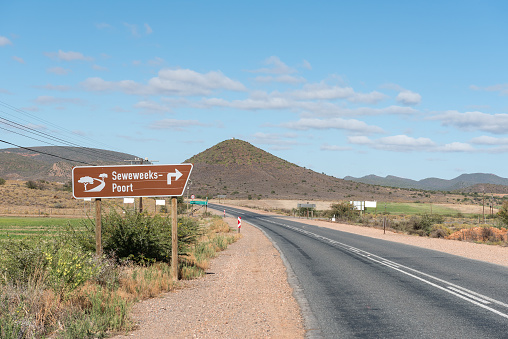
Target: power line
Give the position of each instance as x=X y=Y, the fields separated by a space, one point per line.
x=41 y=152
x=79 y=148
x=48 y=123
x=48 y=136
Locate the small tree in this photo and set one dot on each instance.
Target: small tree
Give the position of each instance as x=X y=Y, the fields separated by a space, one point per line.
x=503 y=213
x=2 y=181
x=343 y=210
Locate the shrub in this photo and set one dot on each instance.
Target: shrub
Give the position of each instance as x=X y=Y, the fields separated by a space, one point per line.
x=503 y=213
x=67 y=186
x=144 y=239
x=32 y=185
x=343 y=210
x=2 y=181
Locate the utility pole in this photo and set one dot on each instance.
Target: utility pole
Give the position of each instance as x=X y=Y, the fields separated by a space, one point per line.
x=141 y=162
x=483 y=203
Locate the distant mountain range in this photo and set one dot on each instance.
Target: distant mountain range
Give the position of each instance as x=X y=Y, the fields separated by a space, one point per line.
x=459 y=183
x=53 y=163
x=239 y=170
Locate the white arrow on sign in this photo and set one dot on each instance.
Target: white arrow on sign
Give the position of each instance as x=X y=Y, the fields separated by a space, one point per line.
x=176 y=175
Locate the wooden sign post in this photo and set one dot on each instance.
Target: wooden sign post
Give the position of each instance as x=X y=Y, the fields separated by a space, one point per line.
x=132 y=181
x=174 y=239
x=98 y=227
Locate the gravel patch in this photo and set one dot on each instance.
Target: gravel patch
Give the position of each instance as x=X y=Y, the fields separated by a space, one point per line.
x=245 y=294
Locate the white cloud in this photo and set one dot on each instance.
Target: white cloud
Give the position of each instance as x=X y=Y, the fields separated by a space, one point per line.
x=156 y=61
x=334 y=148
x=350 y=125
x=119 y=109
x=18 y=59
x=4 y=41
x=501 y=88
x=370 y=98
x=102 y=25
x=151 y=107
x=133 y=29
x=488 y=140
x=276 y=66
x=249 y=104
x=475 y=121
x=408 y=98
x=323 y=91
x=30 y=108
x=396 y=143
x=99 y=68
x=281 y=140
x=174 y=124
x=306 y=65
x=59 y=70
x=456 y=147
x=136 y=138
x=359 y=140
x=285 y=78
x=50 y=100
x=68 y=56
x=331 y=109
x=169 y=82
x=61 y=88
x=148 y=29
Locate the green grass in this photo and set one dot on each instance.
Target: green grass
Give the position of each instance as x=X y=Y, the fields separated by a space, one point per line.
x=412 y=208
x=20 y=227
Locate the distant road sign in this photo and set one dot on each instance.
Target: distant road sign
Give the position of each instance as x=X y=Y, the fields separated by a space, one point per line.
x=198 y=202
x=306 y=205
x=192 y=196
x=130 y=181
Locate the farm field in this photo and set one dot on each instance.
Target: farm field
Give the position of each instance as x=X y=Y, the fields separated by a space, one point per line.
x=420 y=208
x=391 y=207
x=21 y=227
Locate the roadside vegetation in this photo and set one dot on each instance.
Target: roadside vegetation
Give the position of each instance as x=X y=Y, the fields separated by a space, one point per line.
x=53 y=285
x=420 y=219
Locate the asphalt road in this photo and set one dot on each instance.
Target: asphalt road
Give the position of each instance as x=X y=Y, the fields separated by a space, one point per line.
x=359 y=287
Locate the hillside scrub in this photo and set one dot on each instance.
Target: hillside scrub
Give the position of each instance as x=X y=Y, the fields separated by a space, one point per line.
x=57 y=287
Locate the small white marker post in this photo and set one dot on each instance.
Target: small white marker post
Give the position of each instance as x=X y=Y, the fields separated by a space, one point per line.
x=224 y=213
x=239 y=224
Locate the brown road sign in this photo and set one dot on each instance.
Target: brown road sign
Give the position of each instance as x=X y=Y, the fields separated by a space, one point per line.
x=129 y=181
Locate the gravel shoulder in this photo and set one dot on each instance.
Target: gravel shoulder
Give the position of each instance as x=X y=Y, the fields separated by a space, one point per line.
x=245 y=294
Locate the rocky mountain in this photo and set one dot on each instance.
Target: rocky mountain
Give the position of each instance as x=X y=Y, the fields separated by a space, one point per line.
x=237 y=169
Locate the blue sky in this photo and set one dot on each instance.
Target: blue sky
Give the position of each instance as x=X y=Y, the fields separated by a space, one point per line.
x=406 y=88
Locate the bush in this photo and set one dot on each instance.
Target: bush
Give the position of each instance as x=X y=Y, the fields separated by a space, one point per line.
x=343 y=210
x=67 y=186
x=503 y=213
x=2 y=181
x=32 y=185
x=144 y=239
